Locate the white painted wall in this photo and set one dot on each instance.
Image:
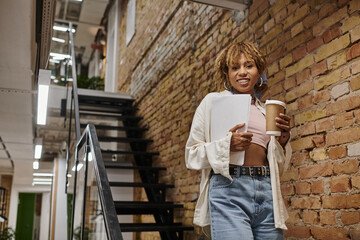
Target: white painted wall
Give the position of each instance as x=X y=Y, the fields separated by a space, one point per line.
x=60 y=213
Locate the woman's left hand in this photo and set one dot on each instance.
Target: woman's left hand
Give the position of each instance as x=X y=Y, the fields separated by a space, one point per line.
x=283 y=122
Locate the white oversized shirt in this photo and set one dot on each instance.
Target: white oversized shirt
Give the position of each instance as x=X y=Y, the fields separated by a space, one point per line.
x=202 y=154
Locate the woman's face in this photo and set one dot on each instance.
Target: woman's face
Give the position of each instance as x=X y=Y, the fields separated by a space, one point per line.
x=243 y=75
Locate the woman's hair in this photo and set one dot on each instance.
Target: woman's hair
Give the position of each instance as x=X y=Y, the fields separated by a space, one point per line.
x=231 y=55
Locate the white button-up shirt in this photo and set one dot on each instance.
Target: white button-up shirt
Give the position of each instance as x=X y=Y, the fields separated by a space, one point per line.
x=202 y=154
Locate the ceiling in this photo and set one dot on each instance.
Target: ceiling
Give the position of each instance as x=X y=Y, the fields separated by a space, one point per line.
x=17 y=91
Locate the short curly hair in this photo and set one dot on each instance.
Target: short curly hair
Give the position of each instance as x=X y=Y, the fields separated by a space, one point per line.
x=231 y=55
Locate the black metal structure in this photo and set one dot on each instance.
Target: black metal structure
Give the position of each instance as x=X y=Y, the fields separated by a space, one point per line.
x=3 y=208
x=123 y=113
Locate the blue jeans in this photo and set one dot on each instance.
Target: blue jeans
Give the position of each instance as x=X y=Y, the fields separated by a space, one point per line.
x=242 y=209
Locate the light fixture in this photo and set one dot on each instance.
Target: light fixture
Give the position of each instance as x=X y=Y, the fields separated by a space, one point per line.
x=38 y=148
x=60 y=40
x=80 y=165
x=41 y=183
x=43 y=92
x=42 y=179
x=54 y=60
x=42 y=174
x=59 y=56
x=62 y=29
x=36 y=164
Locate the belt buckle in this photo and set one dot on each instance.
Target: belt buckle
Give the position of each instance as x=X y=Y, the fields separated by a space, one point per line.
x=263 y=172
x=251 y=171
x=235 y=170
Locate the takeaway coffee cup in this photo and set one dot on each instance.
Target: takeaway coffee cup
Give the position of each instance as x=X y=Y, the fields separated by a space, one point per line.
x=273 y=109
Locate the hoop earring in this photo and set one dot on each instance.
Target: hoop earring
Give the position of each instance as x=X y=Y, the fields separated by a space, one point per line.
x=261 y=82
x=225 y=86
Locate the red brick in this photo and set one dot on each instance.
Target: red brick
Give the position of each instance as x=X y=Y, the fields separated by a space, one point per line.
x=317 y=170
x=302 y=188
x=289 y=83
x=347 y=167
x=319 y=140
x=353 y=52
x=306 y=102
x=297 y=232
x=310 y=20
x=322 y=96
x=312 y=202
x=337 y=152
x=307 y=129
x=289 y=175
x=319 y=68
x=303 y=76
x=294 y=217
x=299 y=52
x=287 y=189
x=355 y=182
x=331 y=34
x=300 y=158
x=314 y=44
x=317 y=187
x=329 y=233
x=323 y=125
x=310 y=217
x=349 y=218
x=343 y=136
x=281 y=15
x=327 y=9
x=341 y=201
x=343 y=120
x=357 y=116
x=302 y=143
x=339 y=184
x=328 y=218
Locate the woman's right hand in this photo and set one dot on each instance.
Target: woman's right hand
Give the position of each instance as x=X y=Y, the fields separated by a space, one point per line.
x=240 y=141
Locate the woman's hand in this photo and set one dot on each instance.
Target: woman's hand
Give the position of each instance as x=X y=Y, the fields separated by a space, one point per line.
x=240 y=141
x=283 y=122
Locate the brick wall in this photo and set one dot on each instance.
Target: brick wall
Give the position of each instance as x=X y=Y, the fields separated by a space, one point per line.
x=313 y=53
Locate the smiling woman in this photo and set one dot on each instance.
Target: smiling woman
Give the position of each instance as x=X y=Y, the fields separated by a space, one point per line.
x=239 y=198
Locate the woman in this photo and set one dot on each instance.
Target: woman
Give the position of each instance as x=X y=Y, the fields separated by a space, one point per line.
x=239 y=199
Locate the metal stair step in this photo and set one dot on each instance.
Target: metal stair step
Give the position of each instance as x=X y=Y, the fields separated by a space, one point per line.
x=103 y=110
x=118 y=128
x=153 y=227
x=123 y=139
x=107 y=115
x=141 y=168
x=114 y=106
x=129 y=152
x=140 y=184
x=137 y=208
x=102 y=99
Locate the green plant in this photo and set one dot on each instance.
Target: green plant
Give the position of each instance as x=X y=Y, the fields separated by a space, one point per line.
x=96 y=83
x=7 y=234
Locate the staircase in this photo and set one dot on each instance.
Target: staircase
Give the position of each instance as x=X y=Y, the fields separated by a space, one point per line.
x=120 y=110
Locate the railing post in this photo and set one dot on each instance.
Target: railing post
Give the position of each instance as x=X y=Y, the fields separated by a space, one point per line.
x=87 y=147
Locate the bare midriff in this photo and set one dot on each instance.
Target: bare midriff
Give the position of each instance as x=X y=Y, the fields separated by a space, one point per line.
x=255 y=156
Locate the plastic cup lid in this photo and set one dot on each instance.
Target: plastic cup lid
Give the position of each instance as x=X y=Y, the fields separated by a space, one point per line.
x=275 y=102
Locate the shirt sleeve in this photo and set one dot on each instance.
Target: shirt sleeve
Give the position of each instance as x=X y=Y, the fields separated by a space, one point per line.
x=200 y=154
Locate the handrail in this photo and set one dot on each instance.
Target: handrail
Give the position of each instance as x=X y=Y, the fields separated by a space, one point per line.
x=74 y=84
x=90 y=140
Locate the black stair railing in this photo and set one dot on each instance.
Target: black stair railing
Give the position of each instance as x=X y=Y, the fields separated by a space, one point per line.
x=92 y=197
x=93 y=210
x=95 y=215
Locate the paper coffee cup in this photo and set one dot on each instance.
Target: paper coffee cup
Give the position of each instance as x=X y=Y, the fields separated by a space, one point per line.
x=273 y=109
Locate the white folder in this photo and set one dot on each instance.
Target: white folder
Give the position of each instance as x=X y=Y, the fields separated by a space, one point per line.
x=226 y=113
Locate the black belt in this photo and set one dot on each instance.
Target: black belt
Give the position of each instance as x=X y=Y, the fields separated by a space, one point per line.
x=261 y=171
